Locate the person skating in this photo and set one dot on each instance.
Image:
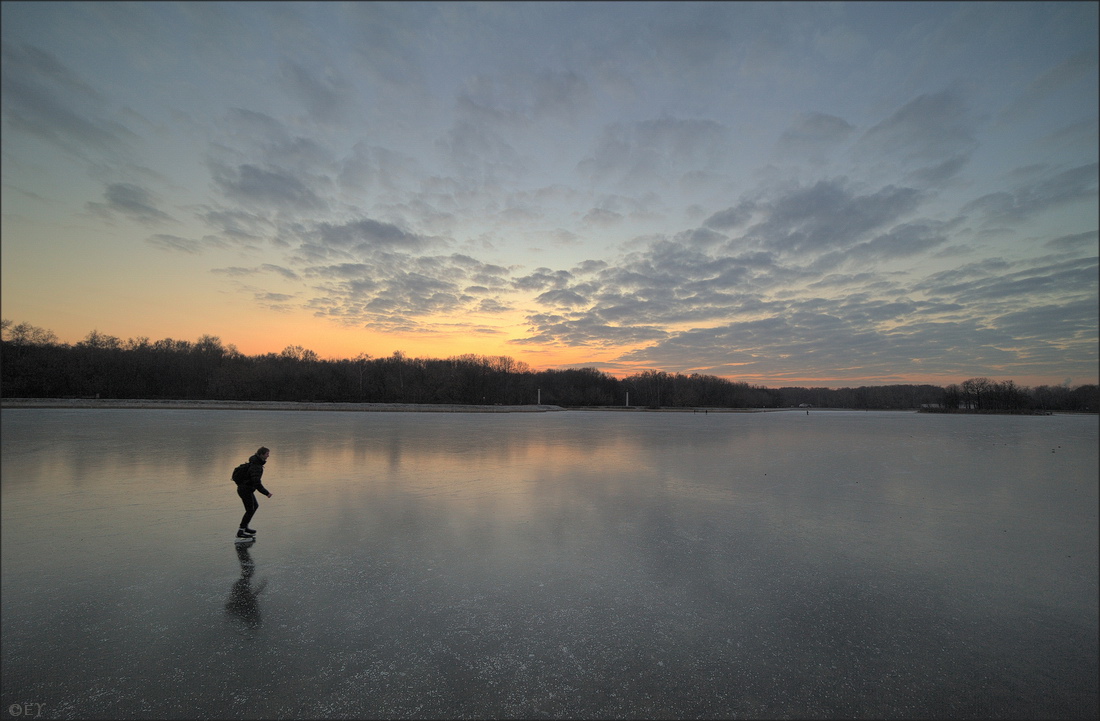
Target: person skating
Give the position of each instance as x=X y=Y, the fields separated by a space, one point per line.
x=247 y=488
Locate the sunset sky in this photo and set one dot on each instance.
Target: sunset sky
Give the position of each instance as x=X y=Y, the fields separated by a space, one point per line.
x=803 y=194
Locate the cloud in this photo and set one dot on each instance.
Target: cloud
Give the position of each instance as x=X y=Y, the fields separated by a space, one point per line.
x=855 y=282
x=478 y=143
x=236 y=224
x=603 y=218
x=44 y=98
x=753 y=285
x=239 y=272
x=401 y=291
x=701 y=237
x=1065 y=279
x=589 y=266
x=949 y=281
x=828 y=215
x=131 y=201
x=1079 y=138
x=865 y=338
x=664 y=167
x=779 y=346
x=479 y=155
x=261 y=187
x=902 y=241
x=939 y=173
x=366 y=235
x=754 y=314
x=731 y=217
x=404 y=297
x=388 y=40
x=280 y=270
x=492 y=306
x=36 y=65
x=610 y=208
x=700 y=35
x=517 y=98
x=813 y=135
x=931 y=127
x=235 y=271
x=1031 y=199
x=271 y=298
x=667 y=281
x=343 y=270
x=1046 y=324
x=1084 y=241
x=267 y=143
x=584 y=330
x=276 y=302
x=254 y=127
x=562 y=297
x=543 y=278
x=1079 y=67
x=326 y=97
x=380 y=169
x=559 y=94
x=639 y=153
x=175 y=243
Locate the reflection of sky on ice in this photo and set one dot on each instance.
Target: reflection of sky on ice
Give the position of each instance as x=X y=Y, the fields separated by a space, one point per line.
x=591 y=564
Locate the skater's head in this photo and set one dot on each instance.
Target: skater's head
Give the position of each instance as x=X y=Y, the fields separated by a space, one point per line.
x=263 y=452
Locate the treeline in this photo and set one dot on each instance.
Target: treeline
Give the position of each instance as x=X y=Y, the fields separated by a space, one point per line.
x=33 y=364
x=982 y=395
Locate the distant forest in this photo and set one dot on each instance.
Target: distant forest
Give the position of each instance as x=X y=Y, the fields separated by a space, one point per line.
x=33 y=364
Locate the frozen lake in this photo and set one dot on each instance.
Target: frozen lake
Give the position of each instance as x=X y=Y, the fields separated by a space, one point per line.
x=550 y=565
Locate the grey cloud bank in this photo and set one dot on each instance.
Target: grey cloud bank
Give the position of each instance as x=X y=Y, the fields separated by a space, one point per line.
x=855 y=193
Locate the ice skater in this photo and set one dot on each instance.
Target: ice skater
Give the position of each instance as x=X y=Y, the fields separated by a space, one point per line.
x=248 y=482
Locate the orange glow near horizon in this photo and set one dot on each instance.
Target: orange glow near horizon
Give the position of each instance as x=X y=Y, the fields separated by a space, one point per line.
x=270 y=333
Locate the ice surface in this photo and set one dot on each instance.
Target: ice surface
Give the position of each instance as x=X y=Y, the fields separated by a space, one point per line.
x=574 y=564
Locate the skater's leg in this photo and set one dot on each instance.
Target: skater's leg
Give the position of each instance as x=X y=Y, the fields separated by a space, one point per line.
x=250 y=505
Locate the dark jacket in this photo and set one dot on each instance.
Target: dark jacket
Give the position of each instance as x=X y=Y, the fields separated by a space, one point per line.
x=255 y=473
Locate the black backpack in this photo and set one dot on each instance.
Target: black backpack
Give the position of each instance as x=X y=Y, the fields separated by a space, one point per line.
x=240 y=473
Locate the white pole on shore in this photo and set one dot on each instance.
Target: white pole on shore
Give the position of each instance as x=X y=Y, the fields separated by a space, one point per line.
x=540 y=397
x=628 y=399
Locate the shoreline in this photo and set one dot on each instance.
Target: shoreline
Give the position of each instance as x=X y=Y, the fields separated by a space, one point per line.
x=209 y=405
x=215 y=405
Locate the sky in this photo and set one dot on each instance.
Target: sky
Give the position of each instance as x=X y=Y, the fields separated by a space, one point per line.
x=809 y=194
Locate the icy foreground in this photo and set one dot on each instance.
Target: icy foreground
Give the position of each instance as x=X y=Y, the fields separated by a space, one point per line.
x=568 y=564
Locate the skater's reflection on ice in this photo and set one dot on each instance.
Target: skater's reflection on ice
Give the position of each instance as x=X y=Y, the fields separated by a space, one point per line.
x=243 y=605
